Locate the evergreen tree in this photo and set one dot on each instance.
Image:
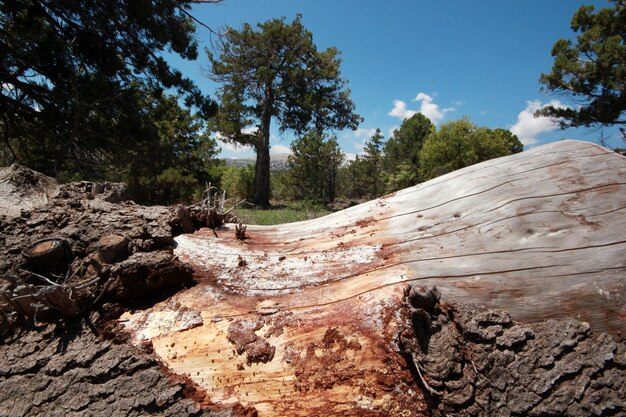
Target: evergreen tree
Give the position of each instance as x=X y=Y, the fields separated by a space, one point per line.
x=592 y=70
x=372 y=160
x=76 y=77
x=352 y=182
x=363 y=176
x=313 y=167
x=238 y=181
x=175 y=155
x=276 y=72
x=460 y=143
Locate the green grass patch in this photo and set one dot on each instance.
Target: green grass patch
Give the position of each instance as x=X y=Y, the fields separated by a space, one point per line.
x=283 y=213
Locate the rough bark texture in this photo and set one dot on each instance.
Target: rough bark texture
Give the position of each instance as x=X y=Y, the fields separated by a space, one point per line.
x=262 y=176
x=476 y=362
x=83 y=233
x=68 y=371
x=89 y=246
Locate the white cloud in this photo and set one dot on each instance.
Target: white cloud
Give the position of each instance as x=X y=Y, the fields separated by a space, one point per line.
x=430 y=109
x=249 y=129
x=232 y=150
x=364 y=133
x=233 y=147
x=217 y=136
x=280 y=149
x=528 y=127
x=400 y=111
x=359 y=146
x=349 y=157
x=392 y=129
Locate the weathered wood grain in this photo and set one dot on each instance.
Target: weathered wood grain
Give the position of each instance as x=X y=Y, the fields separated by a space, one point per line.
x=539 y=234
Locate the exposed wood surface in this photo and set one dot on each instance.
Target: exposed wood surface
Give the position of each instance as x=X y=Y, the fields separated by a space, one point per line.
x=539 y=234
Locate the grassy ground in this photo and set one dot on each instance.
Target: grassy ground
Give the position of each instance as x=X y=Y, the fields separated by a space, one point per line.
x=281 y=213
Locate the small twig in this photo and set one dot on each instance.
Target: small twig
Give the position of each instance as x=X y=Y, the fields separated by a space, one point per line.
x=204 y=25
x=104 y=288
x=21 y=297
x=40 y=277
x=428 y=387
x=208 y=196
x=235 y=206
x=222 y=202
x=88 y=283
x=82 y=263
x=473 y=366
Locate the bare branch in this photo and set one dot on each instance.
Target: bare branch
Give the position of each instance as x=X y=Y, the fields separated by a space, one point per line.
x=235 y=206
x=46 y=280
x=88 y=283
x=204 y=25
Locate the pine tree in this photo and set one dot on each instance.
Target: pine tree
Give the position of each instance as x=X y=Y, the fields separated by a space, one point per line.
x=313 y=167
x=592 y=70
x=401 y=162
x=277 y=73
x=81 y=82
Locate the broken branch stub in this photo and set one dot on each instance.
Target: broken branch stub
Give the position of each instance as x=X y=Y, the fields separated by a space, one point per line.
x=112 y=248
x=210 y=211
x=240 y=231
x=49 y=255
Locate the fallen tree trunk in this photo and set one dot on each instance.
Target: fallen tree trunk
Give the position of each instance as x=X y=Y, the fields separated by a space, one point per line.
x=538 y=234
x=315 y=318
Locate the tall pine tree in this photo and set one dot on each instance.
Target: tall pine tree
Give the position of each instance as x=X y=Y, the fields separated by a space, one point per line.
x=277 y=73
x=401 y=162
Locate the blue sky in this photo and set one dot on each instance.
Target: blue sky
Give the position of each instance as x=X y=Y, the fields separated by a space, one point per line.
x=446 y=59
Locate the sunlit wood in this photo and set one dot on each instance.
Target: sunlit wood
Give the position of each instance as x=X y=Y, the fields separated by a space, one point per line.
x=539 y=234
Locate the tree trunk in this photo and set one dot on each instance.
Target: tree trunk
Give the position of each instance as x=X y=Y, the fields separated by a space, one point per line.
x=262 y=175
x=539 y=233
x=262 y=168
x=329 y=181
x=136 y=191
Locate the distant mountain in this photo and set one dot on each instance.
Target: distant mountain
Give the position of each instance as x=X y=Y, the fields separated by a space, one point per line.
x=278 y=162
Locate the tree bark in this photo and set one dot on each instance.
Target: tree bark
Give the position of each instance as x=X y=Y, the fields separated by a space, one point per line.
x=262 y=175
x=262 y=168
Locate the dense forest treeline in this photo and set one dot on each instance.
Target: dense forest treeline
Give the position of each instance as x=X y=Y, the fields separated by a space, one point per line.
x=417 y=151
x=86 y=94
